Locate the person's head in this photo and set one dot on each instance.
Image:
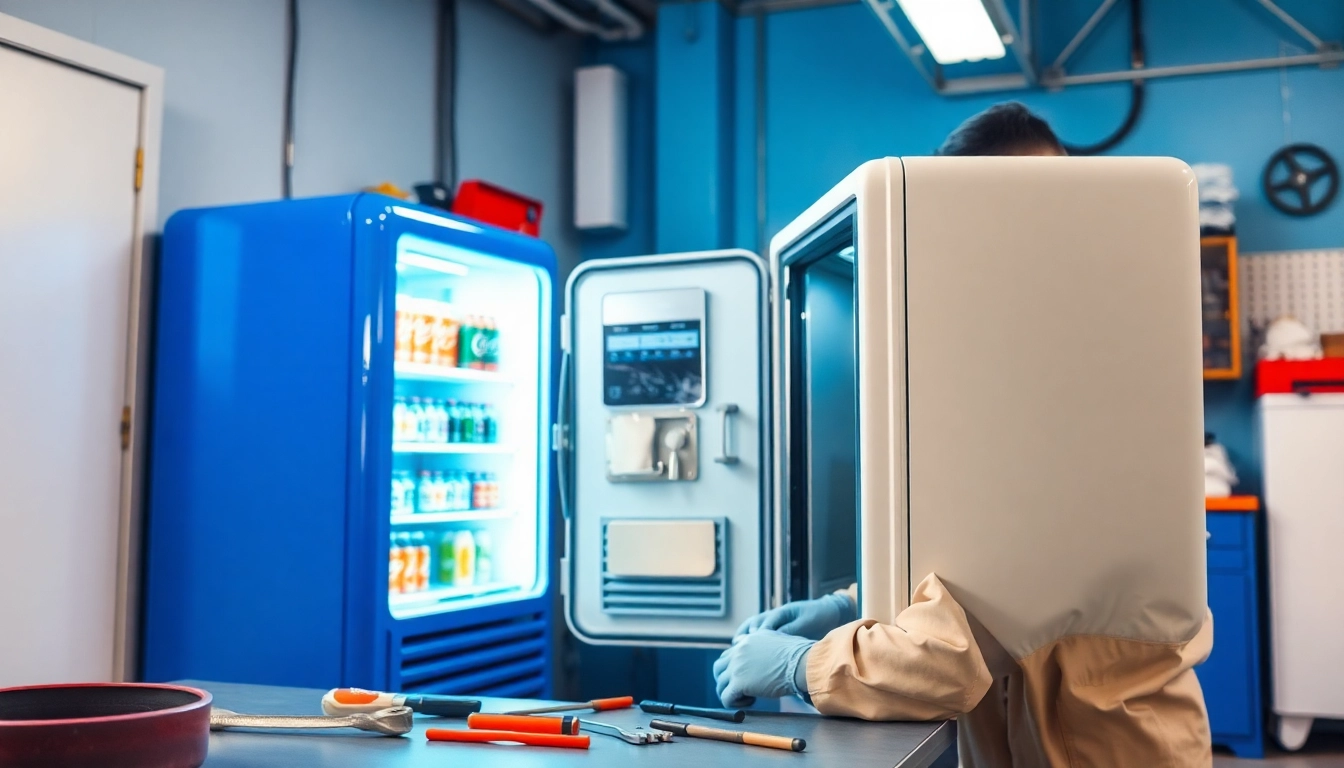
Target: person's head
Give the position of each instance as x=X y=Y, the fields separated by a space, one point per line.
x=1003 y=129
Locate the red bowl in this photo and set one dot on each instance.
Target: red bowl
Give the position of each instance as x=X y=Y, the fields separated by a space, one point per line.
x=104 y=725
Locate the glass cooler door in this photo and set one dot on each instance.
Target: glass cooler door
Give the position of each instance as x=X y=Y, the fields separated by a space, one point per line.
x=472 y=377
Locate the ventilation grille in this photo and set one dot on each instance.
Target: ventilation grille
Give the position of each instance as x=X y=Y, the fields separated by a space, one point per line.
x=505 y=658
x=652 y=596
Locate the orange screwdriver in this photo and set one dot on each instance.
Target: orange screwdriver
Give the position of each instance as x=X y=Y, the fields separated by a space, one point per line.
x=566 y=724
x=597 y=705
x=516 y=737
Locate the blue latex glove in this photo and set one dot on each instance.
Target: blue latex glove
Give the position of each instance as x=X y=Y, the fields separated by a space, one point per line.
x=812 y=619
x=764 y=663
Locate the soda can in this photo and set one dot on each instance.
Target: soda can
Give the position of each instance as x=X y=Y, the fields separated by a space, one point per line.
x=467 y=344
x=396 y=566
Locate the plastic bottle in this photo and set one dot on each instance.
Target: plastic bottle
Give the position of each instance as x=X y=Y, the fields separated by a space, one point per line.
x=405 y=330
x=440 y=421
x=464 y=557
x=490 y=356
x=420 y=545
x=484 y=558
x=478 y=491
x=462 y=488
x=467 y=344
x=415 y=421
x=396 y=566
x=478 y=422
x=495 y=502
x=446 y=332
x=440 y=492
x=399 y=493
x=447 y=561
x=399 y=419
x=491 y=424
x=454 y=418
x=425 y=491
x=422 y=341
x=467 y=423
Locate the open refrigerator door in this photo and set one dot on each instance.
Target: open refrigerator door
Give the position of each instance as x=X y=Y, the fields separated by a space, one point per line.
x=472 y=374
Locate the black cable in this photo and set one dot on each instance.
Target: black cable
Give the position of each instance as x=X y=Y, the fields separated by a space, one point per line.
x=1136 y=92
x=445 y=113
x=291 y=68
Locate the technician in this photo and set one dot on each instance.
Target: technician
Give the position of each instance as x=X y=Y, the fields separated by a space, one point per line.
x=1077 y=701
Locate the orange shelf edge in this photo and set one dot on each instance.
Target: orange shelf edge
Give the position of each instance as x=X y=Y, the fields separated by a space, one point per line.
x=1232 y=504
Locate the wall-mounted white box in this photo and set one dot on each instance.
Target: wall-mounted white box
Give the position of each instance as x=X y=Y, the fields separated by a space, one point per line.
x=599 y=148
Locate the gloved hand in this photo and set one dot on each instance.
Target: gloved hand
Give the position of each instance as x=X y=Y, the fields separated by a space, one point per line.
x=805 y=618
x=763 y=663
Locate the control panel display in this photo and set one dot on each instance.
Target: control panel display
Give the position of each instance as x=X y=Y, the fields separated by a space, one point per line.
x=653 y=364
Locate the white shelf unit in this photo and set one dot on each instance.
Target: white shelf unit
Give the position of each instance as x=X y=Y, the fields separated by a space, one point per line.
x=461 y=516
x=455 y=448
x=424 y=372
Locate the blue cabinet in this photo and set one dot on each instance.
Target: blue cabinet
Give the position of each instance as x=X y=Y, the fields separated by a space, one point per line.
x=1231 y=678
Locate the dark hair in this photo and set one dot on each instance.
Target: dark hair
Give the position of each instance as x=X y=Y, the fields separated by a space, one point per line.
x=1003 y=129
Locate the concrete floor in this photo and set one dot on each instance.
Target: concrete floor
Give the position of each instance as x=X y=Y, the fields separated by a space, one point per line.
x=1322 y=749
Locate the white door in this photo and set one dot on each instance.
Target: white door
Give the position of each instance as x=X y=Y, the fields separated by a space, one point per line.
x=1303 y=443
x=68 y=141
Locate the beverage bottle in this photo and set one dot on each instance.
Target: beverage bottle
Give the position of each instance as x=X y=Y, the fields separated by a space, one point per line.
x=478 y=496
x=466 y=342
x=425 y=492
x=398 y=419
x=421 y=547
x=415 y=420
x=440 y=492
x=454 y=419
x=461 y=492
x=480 y=344
x=405 y=330
x=467 y=423
x=491 y=424
x=447 y=561
x=484 y=558
x=446 y=332
x=395 y=566
x=478 y=421
x=491 y=361
x=399 y=493
x=464 y=557
x=440 y=431
x=495 y=502
x=422 y=340
x=408 y=492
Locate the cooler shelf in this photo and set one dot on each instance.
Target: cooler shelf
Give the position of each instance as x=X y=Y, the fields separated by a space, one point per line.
x=463 y=516
x=423 y=372
x=430 y=597
x=459 y=448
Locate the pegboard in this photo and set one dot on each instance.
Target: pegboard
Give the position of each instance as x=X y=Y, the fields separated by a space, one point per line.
x=1309 y=285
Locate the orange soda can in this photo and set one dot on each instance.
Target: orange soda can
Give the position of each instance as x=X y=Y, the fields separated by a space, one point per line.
x=446 y=333
x=422 y=339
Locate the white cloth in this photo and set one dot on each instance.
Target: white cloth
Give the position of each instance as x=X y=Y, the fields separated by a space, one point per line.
x=1289 y=339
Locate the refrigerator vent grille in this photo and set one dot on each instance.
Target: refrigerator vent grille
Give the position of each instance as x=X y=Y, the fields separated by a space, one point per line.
x=651 y=596
x=505 y=658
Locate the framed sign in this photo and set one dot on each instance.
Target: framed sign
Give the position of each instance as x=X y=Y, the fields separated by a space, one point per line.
x=1219 y=312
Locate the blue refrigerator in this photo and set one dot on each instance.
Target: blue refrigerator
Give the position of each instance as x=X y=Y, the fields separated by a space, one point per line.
x=351 y=479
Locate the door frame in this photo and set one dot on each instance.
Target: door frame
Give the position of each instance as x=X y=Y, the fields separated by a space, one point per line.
x=148 y=80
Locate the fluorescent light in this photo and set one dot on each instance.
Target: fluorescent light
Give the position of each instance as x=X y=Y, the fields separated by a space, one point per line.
x=411 y=258
x=442 y=221
x=954 y=30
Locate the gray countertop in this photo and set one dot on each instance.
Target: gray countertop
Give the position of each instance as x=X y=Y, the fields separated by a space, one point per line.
x=830 y=741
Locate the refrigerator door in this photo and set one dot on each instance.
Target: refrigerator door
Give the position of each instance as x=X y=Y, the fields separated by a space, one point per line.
x=468 y=490
x=665 y=450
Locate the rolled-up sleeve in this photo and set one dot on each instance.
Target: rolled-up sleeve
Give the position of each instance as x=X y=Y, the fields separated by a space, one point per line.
x=925 y=666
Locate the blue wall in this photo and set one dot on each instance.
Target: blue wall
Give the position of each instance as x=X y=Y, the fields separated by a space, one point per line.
x=839 y=93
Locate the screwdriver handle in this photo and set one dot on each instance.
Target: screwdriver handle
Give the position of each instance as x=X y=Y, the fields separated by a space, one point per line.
x=567 y=724
x=443 y=706
x=530 y=739
x=663 y=708
x=620 y=702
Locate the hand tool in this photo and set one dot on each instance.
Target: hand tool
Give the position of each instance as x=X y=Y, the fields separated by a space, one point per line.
x=741 y=737
x=639 y=735
x=393 y=721
x=597 y=705
x=524 y=723
x=530 y=739
x=347 y=701
x=663 y=708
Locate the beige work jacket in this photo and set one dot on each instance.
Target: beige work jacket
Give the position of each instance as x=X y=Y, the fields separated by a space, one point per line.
x=1079 y=701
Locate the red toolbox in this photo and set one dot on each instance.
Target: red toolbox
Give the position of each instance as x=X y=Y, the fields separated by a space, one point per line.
x=1300 y=376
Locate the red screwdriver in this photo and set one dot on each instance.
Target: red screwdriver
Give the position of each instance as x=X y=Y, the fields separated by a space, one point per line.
x=597 y=705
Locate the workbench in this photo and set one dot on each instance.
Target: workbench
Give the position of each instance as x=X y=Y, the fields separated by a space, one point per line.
x=830 y=741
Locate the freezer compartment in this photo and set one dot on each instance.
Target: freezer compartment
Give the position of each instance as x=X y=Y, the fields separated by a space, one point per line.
x=466 y=502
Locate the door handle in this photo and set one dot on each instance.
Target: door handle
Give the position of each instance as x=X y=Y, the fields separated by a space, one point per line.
x=727 y=456
x=645 y=474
